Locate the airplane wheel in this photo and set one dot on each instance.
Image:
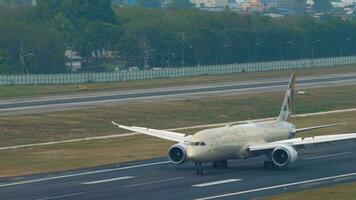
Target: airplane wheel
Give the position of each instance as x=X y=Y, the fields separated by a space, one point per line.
x=200 y=168
x=268 y=165
x=224 y=164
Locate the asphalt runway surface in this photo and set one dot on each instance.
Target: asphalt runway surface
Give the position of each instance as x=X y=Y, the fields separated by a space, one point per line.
x=317 y=166
x=62 y=101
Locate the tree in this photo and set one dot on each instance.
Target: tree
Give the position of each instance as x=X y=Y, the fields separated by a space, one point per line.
x=150 y=3
x=77 y=10
x=3 y=61
x=322 y=5
x=42 y=48
x=97 y=39
x=186 y=4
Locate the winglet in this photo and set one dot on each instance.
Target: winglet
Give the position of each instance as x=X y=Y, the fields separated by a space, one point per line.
x=116 y=124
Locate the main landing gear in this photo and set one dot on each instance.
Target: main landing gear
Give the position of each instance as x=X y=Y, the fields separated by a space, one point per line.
x=200 y=168
x=220 y=164
x=269 y=164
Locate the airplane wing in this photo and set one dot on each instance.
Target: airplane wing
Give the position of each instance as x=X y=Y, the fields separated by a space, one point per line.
x=316 y=127
x=167 y=135
x=295 y=142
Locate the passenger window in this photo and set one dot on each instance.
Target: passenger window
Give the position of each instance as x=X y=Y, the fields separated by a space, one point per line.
x=196 y=143
x=202 y=143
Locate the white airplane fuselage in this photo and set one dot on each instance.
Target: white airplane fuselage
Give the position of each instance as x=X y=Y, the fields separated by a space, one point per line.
x=231 y=142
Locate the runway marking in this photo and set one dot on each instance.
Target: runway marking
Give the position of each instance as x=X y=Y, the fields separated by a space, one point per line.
x=107 y=180
x=327 y=156
x=82 y=174
x=61 y=196
x=277 y=186
x=154 y=182
x=216 y=182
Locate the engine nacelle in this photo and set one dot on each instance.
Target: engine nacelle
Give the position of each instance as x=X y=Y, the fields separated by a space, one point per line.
x=284 y=155
x=177 y=154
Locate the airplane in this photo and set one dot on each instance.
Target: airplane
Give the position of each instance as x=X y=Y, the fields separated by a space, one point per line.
x=273 y=138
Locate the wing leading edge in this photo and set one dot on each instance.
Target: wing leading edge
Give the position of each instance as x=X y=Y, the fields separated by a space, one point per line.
x=167 y=135
x=303 y=141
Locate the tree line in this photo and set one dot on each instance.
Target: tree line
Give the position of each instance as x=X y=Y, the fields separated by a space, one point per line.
x=34 y=39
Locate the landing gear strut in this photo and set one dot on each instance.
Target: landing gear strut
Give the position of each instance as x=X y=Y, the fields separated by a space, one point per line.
x=200 y=168
x=269 y=165
x=220 y=164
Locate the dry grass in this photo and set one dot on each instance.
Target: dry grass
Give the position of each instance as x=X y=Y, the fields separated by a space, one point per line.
x=101 y=152
x=38 y=90
x=42 y=127
x=80 y=155
x=170 y=114
x=344 y=192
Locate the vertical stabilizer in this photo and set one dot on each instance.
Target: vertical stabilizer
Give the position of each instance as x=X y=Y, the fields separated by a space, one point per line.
x=286 y=110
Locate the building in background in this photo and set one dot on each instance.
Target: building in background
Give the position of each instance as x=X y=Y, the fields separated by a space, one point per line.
x=125 y=2
x=253 y=5
x=288 y=6
x=19 y=2
x=211 y=5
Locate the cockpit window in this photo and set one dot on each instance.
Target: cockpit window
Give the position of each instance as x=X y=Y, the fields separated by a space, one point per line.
x=196 y=143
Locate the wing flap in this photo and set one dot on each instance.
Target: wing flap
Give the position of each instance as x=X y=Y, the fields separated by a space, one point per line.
x=167 y=135
x=304 y=141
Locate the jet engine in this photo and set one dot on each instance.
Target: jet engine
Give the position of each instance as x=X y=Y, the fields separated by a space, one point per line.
x=177 y=154
x=284 y=155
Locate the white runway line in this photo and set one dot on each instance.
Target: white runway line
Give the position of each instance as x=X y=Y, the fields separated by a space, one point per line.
x=172 y=129
x=61 y=196
x=107 y=180
x=216 y=182
x=277 y=186
x=154 y=182
x=328 y=156
x=81 y=174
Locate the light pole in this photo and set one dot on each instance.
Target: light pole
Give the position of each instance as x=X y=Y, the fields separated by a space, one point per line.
x=342 y=46
x=288 y=43
x=312 y=50
x=183 y=43
x=22 y=60
x=255 y=44
x=223 y=58
x=168 y=61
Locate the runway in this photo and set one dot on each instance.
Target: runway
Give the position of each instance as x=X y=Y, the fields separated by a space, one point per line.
x=69 y=101
x=159 y=179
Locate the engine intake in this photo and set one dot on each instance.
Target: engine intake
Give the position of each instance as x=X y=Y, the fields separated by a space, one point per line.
x=284 y=155
x=177 y=154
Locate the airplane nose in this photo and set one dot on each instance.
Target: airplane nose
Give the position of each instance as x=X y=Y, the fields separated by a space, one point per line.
x=194 y=153
x=191 y=153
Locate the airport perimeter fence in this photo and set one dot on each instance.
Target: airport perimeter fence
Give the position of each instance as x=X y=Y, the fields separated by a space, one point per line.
x=102 y=77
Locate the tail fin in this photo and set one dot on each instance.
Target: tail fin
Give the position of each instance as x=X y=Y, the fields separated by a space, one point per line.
x=286 y=110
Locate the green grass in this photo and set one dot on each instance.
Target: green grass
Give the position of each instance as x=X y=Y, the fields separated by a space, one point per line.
x=38 y=90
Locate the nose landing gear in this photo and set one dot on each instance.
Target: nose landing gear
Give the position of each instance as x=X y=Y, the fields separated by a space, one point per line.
x=200 y=168
x=269 y=164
